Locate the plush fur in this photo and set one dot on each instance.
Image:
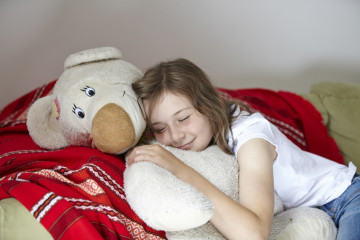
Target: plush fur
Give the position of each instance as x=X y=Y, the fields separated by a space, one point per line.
x=92 y=102
x=166 y=203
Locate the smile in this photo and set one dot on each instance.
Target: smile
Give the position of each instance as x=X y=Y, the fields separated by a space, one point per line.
x=187 y=145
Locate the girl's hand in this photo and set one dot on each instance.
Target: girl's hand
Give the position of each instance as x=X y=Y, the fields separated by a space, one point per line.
x=156 y=154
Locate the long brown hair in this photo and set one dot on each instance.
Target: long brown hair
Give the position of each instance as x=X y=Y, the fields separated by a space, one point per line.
x=183 y=77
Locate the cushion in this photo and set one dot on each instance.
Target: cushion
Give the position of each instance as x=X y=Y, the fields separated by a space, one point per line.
x=339 y=105
x=14 y=217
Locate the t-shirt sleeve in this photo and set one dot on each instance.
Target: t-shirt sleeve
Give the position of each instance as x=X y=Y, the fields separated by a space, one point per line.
x=245 y=128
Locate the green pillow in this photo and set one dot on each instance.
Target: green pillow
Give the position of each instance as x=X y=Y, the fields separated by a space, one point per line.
x=339 y=104
x=16 y=222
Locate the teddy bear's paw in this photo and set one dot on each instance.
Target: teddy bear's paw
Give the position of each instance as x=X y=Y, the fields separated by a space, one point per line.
x=180 y=220
x=204 y=232
x=163 y=201
x=303 y=223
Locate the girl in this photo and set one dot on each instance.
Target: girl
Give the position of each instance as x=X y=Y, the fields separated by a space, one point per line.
x=184 y=110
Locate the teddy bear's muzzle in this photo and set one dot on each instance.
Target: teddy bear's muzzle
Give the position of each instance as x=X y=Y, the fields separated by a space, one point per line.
x=112 y=129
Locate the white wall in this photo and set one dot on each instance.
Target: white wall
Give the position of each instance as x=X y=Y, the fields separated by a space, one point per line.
x=277 y=44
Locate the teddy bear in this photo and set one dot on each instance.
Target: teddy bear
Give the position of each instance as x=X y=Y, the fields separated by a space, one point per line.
x=166 y=203
x=92 y=104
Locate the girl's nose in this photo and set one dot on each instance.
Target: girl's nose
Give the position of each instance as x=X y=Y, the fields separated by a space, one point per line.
x=177 y=135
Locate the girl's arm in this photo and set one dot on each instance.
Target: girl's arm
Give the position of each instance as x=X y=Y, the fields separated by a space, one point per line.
x=252 y=218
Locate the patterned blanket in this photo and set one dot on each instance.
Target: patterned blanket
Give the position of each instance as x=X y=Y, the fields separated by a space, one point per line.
x=77 y=192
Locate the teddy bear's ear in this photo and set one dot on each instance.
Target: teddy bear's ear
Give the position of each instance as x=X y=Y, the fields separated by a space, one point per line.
x=42 y=125
x=92 y=55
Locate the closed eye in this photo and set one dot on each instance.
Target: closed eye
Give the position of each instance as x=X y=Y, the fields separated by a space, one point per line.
x=183 y=119
x=160 y=130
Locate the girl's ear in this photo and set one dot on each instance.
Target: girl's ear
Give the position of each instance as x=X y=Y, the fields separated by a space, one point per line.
x=42 y=125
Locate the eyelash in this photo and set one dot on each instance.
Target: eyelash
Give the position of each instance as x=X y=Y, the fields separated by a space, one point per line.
x=161 y=130
x=181 y=120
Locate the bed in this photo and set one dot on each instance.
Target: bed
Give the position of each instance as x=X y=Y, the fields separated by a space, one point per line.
x=77 y=192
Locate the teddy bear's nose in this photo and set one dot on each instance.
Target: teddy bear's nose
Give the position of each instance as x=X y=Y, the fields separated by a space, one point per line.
x=112 y=129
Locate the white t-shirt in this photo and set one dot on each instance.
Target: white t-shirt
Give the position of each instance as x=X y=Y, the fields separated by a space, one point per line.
x=300 y=178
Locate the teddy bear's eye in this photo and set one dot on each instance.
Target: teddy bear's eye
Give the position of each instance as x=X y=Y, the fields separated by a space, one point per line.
x=89 y=91
x=78 y=112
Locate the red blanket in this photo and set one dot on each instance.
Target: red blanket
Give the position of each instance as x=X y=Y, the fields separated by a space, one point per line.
x=77 y=192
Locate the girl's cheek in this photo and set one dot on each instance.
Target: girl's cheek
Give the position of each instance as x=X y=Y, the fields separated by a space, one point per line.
x=162 y=138
x=158 y=137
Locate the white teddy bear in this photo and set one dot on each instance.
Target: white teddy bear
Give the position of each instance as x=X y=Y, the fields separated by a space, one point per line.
x=166 y=203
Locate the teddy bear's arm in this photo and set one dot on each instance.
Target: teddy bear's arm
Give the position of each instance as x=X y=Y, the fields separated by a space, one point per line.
x=163 y=201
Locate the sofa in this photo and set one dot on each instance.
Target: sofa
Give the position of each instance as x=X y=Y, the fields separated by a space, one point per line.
x=323 y=121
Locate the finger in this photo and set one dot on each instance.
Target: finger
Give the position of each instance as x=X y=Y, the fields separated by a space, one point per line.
x=129 y=156
x=137 y=155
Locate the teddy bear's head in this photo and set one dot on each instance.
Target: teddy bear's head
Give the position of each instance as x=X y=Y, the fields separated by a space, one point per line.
x=92 y=104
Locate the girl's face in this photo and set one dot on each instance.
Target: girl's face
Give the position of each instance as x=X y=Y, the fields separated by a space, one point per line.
x=175 y=122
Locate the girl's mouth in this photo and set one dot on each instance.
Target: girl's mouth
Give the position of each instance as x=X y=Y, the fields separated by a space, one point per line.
x=187 y=145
